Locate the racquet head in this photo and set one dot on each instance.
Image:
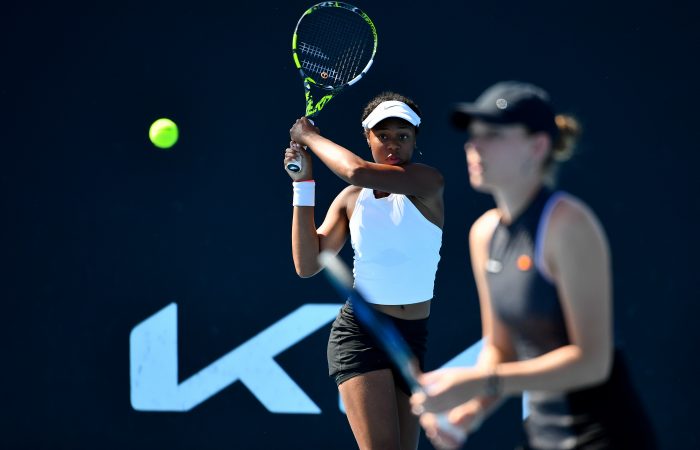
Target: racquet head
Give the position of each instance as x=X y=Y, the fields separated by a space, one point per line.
x=333 y=46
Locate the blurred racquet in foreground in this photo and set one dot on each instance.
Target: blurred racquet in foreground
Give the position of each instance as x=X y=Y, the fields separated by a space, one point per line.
x=383 y=330
x=333 y=47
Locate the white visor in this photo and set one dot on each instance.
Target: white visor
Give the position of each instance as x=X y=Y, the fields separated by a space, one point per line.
x=392 y=108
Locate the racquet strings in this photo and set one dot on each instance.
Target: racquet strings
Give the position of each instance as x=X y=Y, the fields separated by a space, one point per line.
x=334 y=45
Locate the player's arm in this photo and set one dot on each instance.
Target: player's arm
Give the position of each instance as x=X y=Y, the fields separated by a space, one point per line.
x=577 y=256
x=308 y=242
x=497 y=346
x=417 y=180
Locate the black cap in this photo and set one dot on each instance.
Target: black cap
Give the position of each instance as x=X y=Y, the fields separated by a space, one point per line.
x=510 y=102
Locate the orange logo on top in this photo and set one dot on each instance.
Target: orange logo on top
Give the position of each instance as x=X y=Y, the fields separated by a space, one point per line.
x=524 y=262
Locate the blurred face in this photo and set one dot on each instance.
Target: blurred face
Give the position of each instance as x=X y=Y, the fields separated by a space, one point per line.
x=392 y=141
x=499 y=156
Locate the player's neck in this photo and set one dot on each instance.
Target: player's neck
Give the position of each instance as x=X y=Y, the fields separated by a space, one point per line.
x=512 y=202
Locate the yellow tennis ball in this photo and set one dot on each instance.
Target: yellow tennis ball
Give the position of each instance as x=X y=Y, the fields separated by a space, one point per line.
x=163 y=133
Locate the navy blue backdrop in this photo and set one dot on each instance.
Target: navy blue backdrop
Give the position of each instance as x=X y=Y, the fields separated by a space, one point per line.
x=103 y=232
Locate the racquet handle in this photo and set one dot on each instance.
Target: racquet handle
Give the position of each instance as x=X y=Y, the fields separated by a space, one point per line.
x=295 y=164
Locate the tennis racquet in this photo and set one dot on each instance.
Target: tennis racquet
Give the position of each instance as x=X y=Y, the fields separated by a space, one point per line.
x=383 y=331
x=333 y=47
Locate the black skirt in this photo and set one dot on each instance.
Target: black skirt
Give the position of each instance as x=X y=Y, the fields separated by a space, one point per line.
x=353 y=351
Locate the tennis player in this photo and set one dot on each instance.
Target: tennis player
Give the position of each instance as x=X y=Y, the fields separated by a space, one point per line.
x=542 y=267
x=393 y=212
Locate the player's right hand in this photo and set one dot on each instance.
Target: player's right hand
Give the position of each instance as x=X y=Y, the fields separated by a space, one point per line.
x=297 y=152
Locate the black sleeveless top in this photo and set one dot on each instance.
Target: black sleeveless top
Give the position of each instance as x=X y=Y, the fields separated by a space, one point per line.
x=523 y=299
x=607 y=416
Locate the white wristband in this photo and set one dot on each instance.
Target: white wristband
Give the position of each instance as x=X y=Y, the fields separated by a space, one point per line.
x=304 y=193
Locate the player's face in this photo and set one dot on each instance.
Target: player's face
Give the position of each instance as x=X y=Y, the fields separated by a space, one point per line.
x=392 y=141
x=497 y=155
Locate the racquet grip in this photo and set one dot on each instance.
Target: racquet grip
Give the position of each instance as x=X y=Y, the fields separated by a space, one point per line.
x=294 y=165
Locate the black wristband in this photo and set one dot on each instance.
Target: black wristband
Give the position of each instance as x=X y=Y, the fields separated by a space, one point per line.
x=493 y=384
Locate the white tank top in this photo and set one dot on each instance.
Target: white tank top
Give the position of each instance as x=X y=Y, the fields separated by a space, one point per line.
x=396 y=250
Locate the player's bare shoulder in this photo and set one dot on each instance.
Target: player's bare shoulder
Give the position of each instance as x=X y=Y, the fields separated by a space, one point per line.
x=573 y=229
x=431 y=176
x=429 y=170
x=480 y=236
x=571 y=214
x=347 y=199
x=482 y=229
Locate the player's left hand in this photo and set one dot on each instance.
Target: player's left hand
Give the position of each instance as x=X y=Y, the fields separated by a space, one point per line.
x=301 y=130
x=444 y=389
